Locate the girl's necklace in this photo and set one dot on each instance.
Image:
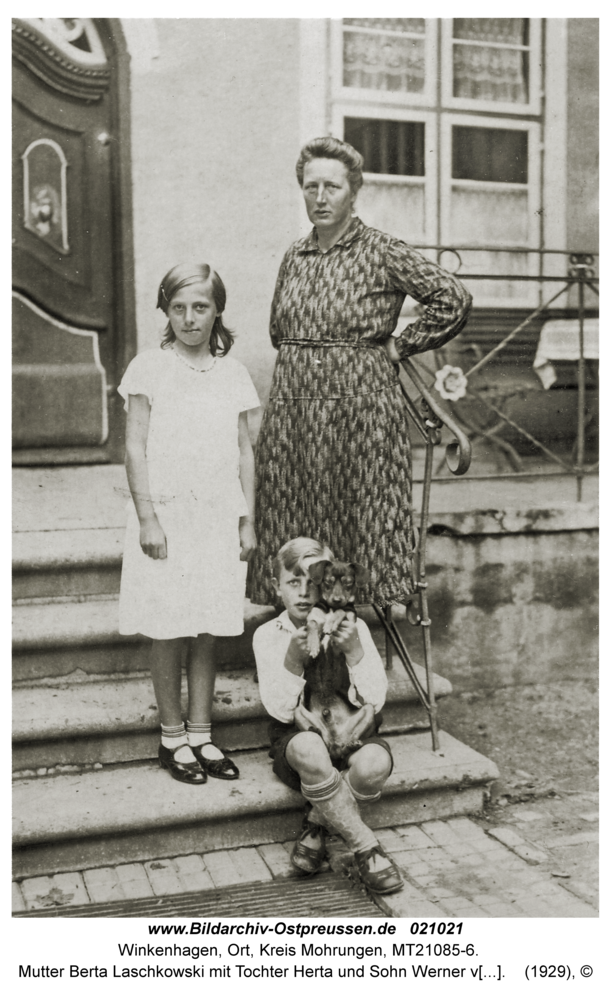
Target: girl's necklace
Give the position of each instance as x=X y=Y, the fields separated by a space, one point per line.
x=192 y=367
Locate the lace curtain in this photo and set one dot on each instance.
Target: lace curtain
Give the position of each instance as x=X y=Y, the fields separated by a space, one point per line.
x=383 y=57
x=491 y=73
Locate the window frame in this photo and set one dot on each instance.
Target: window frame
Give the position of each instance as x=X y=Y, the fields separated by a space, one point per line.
x=428 y=182
x=533 y=107
x=532 y=187
x=400 y=99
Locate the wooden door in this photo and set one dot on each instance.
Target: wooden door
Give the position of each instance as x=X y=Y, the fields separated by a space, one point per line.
x=66 y=340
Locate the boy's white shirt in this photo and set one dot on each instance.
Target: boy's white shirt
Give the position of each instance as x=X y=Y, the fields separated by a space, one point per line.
x=282 y=690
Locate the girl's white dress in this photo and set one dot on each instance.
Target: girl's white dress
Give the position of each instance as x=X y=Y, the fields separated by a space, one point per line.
x=193 y=464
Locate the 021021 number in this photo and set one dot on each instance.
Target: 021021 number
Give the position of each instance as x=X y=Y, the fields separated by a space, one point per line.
x=436 y=928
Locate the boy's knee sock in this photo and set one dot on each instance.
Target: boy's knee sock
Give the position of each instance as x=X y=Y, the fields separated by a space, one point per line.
x=336 y=809
x=359 y=796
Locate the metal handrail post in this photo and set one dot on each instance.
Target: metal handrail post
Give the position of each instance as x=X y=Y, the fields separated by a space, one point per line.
x=421 y=582
x=581 y=389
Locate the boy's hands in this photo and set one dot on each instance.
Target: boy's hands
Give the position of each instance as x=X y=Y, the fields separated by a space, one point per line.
x=152 y=539
x=248 y=539
x=346 y=638
x=297 y=653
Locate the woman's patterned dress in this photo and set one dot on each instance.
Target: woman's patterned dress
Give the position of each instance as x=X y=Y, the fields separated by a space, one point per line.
x=333 y=457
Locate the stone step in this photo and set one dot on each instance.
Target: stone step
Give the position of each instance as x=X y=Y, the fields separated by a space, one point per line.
x=113 y=721
x=57 y=639
x=137 y=812
x=74 y=563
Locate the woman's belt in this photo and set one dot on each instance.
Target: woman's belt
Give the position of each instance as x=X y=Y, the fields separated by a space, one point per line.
x=329 y=343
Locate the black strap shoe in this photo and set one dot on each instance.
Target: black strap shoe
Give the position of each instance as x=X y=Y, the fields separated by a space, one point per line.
x=381 y=882
x=309 y=860
x=191 y=774
x=224 y=768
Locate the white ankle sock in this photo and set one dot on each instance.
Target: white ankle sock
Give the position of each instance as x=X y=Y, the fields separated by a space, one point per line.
x=199 y=735
x=176 y=736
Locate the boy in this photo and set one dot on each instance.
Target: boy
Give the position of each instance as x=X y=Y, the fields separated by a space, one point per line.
x=301 y=759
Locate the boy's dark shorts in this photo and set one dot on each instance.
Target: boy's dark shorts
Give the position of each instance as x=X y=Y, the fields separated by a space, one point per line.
x=281 y=734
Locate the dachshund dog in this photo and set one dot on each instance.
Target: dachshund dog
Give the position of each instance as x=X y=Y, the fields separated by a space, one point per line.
x=325 y=707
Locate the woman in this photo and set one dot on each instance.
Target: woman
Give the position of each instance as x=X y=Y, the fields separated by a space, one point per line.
x=333 y=458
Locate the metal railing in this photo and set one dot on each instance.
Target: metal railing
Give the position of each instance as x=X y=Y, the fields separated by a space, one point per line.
x=429 y=418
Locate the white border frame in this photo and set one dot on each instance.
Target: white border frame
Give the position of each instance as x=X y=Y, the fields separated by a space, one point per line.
x=497 y=107
x=401 y=99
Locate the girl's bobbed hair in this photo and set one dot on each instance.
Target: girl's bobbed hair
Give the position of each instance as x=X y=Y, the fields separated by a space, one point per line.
x=221 y=338
x=330 y=148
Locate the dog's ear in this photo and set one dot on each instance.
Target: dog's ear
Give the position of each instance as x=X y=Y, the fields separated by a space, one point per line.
x=316 y=570
x=361 y=574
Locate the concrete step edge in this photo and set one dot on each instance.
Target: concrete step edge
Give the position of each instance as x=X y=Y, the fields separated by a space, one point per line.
x=87 y=623
x=128 y=706
x=114 y=801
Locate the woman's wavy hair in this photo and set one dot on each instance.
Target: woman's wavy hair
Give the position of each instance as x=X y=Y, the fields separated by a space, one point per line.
x=221 y=338
x=330 y=148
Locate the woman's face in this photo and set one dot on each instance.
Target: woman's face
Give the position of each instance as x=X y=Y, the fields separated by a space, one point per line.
x=328 y=198
x=192 y=313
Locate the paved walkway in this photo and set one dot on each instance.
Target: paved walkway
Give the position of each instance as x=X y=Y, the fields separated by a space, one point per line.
x=451 y=868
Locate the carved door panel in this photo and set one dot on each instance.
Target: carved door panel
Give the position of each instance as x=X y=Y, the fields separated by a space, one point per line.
x=65 y=339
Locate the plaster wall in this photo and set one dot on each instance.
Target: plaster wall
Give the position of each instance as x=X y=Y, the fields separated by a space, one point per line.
x=215 y=136
x=582 y=151
x=511 y=608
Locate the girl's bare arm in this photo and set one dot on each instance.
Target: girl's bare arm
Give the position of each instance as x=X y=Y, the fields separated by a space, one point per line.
x=152 y=538
x=248 y=539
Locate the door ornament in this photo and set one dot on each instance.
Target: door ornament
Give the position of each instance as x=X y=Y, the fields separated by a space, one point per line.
x=45 y=209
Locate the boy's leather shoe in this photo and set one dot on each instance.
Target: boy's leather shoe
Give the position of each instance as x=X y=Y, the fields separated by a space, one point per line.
x=382 y=882
x=191 y=774
x=309 y=860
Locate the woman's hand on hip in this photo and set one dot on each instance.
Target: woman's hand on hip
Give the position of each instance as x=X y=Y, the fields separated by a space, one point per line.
x=152 y=539
x=390 y=346
x=248 y=539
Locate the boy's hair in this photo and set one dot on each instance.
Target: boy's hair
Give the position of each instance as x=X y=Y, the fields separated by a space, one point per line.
x=221 y=338
x=292 y=554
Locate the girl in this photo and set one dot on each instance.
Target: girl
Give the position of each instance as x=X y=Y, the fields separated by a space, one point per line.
x=190 y=531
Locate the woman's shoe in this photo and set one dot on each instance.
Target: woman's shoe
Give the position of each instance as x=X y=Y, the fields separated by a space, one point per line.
x=191 y=774
x=224 y=768
x=309 y=860
x=382 y=882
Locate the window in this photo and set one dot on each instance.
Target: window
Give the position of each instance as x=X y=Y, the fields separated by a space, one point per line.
x=390 y=57
x=492 y=61
x=389 y=147
x=438 y=171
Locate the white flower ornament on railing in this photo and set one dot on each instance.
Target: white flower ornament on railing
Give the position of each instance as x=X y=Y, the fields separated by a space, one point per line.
x=451 y=383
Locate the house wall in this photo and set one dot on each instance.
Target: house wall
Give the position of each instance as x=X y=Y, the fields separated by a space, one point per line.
x=215 y=133
x=582 y=148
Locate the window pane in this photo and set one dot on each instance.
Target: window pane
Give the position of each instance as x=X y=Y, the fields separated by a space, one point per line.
x=389 y=147
x=415 y=25
x=486 y=72
x=490 y=154
x=394 y=208
x=383 y=62
x=507 y=30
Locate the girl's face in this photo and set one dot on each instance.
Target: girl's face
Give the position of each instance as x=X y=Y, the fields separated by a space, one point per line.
x=192 y=313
